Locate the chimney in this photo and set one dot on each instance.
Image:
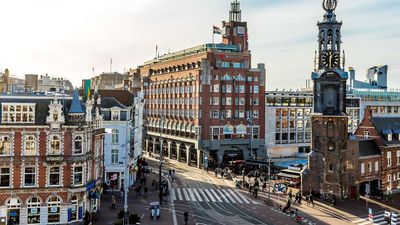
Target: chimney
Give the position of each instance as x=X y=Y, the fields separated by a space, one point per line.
x=367 y=114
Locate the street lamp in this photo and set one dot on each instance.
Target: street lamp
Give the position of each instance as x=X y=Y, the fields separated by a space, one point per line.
x=250 y=119
x=161 y=154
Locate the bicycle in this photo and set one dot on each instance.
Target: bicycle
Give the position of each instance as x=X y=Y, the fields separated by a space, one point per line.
x=268 y=202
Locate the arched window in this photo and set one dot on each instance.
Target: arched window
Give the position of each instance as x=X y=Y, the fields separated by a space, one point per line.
x=13 y=207
x=5 y=145
x=74 y=208
x=228 y=131
x=78 y=145
x=53 y=213
x=34 y=210
x=55 y=145
x=115 y=136
x=30 y=145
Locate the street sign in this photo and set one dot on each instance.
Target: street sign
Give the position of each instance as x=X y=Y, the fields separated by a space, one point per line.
x=370 y=215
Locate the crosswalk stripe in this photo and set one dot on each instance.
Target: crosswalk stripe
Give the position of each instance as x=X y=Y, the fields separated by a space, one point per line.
x=378 y=219
x=210 y=195
x=222 y=195
x=228 y=195
x=234 y=195
x=216 y=196
x=172 y=193
x=203 y=194
x=178 y=190
x=191 y=194
x=197 y=194
x=186 y=194
x=244 y=198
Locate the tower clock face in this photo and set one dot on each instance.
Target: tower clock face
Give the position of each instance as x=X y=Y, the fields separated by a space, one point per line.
x=330 y=59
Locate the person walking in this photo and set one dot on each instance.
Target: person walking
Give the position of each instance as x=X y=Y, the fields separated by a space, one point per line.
x=113 y=202
x=146 y=190
x=186 y=217
x=290 y=194
x=311 y=198
x=160 y=195
x=122 y=191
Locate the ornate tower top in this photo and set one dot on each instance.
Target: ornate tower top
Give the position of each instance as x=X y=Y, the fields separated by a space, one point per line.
x=235 y=12
x=329 y=5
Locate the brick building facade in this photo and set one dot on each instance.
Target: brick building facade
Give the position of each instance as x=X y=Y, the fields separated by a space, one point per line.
x=51 y=159
x=205 y=105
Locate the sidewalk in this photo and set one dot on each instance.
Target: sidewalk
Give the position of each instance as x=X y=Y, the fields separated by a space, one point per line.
x=137 y=204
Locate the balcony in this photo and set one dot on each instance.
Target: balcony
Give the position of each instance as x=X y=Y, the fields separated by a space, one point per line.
x=54 y=157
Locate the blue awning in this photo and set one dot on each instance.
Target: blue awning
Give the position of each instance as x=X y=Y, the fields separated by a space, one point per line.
x=386 y=131
x=396 y=131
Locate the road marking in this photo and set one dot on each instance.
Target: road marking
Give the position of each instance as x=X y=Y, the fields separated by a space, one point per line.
x=222 y=195
x=204 y=195
x=173 y=196
x=210 y=195
x=234 y=195
x=244 y=198
x=191 y=194
x=186 y=194
x=228 y=195
x=217 y=196
x=178 y=190
x=197 y=194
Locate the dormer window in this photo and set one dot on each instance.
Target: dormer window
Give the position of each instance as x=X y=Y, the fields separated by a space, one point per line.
x=366 y=134
x=114 y=115
x=389 y=137
x=55 y=116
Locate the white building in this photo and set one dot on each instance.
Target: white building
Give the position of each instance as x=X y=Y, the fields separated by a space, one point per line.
x=117 y=144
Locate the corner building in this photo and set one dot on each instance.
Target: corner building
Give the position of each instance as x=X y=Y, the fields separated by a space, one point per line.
x=205 y=105
x=51 y=159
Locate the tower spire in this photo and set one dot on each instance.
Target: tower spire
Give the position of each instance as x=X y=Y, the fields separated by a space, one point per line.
x=235 y=14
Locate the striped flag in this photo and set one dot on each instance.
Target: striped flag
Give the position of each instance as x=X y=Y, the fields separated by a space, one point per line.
x=217 y=30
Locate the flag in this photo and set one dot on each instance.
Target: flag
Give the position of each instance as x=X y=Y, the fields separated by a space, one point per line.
x=217 y=30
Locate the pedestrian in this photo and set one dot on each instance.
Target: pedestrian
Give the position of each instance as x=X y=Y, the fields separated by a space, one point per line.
x=186 y=217
x=311 y=197
x=264 y=186
x=173 y=177
x=153 y=185
x=113 y=202
x=122 y=191
x=216 y=172
x=255 y=192
x=290 y=194
x=145 y=192
x=170 y=172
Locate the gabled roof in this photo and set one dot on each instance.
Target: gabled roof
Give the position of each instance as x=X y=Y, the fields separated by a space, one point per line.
x=368 y=148
x=76 y=104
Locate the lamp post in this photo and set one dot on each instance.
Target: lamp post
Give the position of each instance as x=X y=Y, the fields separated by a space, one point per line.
x=269 y=177
x=161 y=153
x=251 y=121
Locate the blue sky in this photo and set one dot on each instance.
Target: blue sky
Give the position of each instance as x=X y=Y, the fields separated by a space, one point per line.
x=68 y=37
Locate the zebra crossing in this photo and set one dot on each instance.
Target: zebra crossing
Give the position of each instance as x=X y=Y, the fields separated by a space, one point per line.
x=220 y=195
x=379 y=219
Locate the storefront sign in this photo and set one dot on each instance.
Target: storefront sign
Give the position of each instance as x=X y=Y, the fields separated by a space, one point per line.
x=90 y=185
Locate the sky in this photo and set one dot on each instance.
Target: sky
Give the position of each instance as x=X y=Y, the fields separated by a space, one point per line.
x=67 y=38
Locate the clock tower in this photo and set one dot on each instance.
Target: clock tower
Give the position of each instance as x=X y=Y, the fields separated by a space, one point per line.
x=326 y=165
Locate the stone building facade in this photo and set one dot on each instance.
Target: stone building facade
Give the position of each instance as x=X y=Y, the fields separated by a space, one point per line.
x=205 y=105
x=51 y=159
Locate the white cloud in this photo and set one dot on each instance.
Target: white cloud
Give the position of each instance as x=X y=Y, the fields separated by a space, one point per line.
x=68 y=38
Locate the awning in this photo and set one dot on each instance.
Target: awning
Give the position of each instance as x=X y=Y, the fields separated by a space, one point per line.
x=291 y=171
x=386 y=131
x=288 y=175
x=396 y=131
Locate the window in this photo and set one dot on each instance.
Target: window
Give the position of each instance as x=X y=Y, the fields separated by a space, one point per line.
x=255 y=114
x=255 y=78
x=362 y=168
x=228 y=88
x=242 y=89
x=256 y=132
x=366 y=134
x=34 y=210
x=389 y=159
x=78 y=175
x=376 y=166
x=330 y=168
x=5 y=145
x=216 y=88
x=389 y=137
x=30 y=177
x=215 y=114
x=369 y=167
x=30 y=145
x=255 y=101
x=256 y=89
x=398 y=157
x=23 y=113
x=228 y=101
x=214 y=133
x=54 y=176
x=242 y=101
x=74 y=208
x=114 y=156
x=5 y=177
x=55 y=145
x=215 y=101
x=249 y=78
x=53 y=213
x=228 y=113
x=114 y=115
x=114 y=136
x=78 y=145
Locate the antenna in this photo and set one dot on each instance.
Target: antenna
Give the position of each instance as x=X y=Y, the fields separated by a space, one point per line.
x=315 y=61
